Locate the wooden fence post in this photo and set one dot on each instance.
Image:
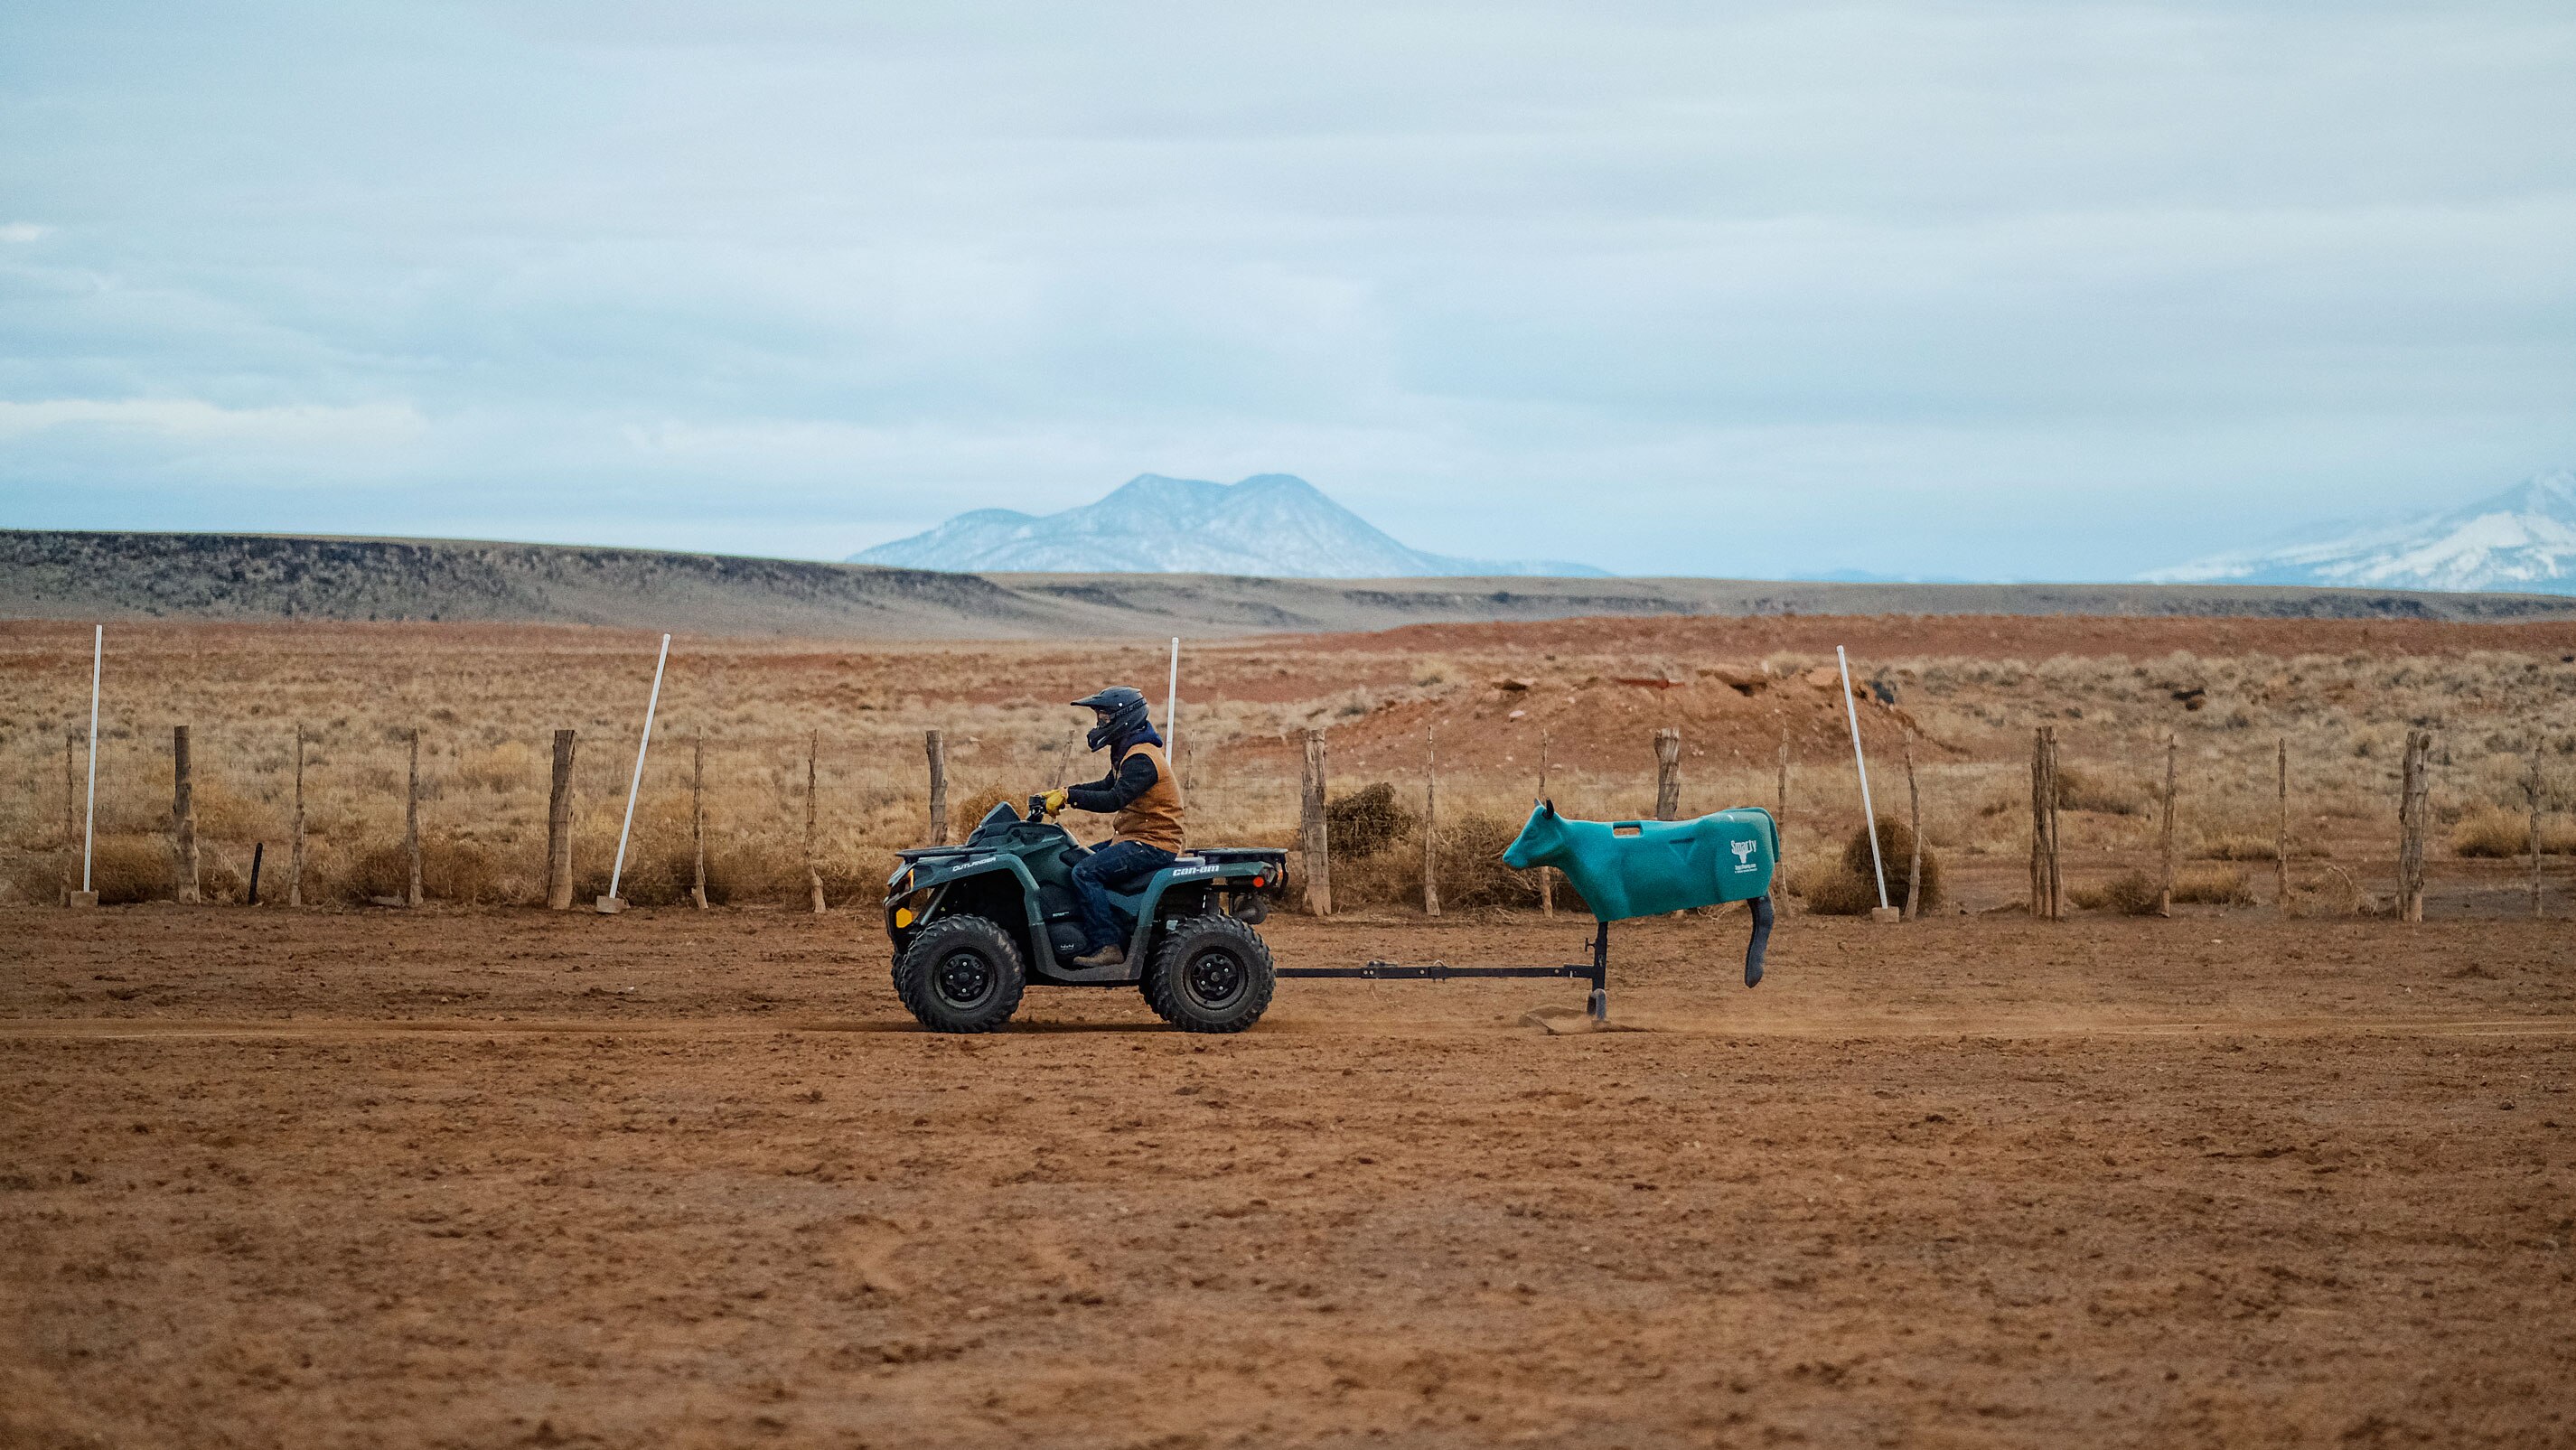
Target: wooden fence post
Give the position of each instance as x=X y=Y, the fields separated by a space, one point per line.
x=1668 y=774
x=2038 y=823
x=295 y=843
x=1668 y=780
x=2412 y=793
x=411 y=823
x=183 y=813
x=2531 y=800
x=2047 y=875
x=71 y=812
x=1914 y=868
x=2056 y=836
x=559 y=825
x=2281 y=836
x=1546 y=874
x=1319 y=861
x=937 y=749
x=1780 y=817
x=813 y=778
x=2165 y=832
x=1430 y=823
x=698 y=818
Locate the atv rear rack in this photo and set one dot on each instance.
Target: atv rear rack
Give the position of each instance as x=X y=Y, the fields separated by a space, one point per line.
x=1597 y=972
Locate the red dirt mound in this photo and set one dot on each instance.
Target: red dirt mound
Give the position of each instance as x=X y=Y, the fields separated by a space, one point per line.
x=1730 y=714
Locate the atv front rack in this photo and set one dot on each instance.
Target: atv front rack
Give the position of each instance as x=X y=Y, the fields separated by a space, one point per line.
x=1597 y=972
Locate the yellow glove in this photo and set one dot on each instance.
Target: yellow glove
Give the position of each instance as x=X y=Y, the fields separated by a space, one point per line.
x=1053 y=800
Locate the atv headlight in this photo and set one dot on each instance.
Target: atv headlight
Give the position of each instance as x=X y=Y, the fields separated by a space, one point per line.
x=902 y=917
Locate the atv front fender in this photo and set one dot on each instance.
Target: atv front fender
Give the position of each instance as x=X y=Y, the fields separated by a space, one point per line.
x=940 y=875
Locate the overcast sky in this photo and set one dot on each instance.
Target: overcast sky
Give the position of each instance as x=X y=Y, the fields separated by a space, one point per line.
x=2001 y=290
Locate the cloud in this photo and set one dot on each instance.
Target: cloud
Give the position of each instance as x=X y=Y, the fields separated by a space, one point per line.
x=2014 y=288
x=23 y=232
x=193 y=419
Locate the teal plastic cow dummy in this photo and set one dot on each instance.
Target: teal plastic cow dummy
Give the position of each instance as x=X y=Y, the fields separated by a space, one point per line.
x=1648 y=868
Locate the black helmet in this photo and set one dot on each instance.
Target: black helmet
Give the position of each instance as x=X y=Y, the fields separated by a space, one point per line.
x=1122 y=713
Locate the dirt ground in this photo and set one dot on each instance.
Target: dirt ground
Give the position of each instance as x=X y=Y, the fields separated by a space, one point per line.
x=511 y=1178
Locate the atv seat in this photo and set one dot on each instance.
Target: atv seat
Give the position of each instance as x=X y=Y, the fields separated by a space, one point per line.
x=1127 y=904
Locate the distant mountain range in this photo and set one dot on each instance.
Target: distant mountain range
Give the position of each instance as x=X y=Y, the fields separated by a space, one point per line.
x=131 y=577
x=2523 y=540
x=1272 y=525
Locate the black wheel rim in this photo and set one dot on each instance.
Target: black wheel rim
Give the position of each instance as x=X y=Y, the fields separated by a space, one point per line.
x=1214 y=978
x=963 y=979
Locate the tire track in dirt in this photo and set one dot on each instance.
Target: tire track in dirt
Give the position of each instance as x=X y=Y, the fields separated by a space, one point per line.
x=1848 y=1029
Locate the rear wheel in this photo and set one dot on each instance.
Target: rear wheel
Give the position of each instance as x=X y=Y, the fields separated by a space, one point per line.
x=1210 y=974
x=961 y=974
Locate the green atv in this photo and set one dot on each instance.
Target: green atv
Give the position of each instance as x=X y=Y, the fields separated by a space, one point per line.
x=974 y=924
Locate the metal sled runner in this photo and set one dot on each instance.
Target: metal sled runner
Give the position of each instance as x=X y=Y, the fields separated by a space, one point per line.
x=1597 y=972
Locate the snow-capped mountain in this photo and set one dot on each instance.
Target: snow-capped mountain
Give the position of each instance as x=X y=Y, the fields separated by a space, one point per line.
x=2522 y=540
x=1271 y=524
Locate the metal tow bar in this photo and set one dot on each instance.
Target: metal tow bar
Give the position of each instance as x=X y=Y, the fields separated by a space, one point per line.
x=1597 y=972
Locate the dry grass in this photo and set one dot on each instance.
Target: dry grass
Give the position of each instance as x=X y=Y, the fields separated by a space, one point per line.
x=1848 y=885
x=2079 y=789
x=1836 y=890
x=2213 y=886
x=2491 y=831
x=2497 y=832
x=2224 y=845
x=1467 y=853
x=2334 y=892
x=486 y=700
x=129 y=869
x=976 y=807
x=2234 y=837
x=1365 y=822
x=2131 y=893
x=509 y=766
x=450 y=870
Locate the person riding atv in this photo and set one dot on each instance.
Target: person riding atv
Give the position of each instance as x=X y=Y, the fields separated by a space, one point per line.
x=1147 y=834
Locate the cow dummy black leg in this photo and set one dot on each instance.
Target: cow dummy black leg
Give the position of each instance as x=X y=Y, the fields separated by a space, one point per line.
x=1599 y=1005
x=1761 y=940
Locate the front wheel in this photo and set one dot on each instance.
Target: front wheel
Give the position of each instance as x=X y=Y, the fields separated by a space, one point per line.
x=1210 y=974
x=961 y=974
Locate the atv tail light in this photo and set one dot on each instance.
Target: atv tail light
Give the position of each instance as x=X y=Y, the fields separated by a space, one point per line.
x=902 y=917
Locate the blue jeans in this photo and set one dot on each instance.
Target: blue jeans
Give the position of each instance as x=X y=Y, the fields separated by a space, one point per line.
x=1122 y=866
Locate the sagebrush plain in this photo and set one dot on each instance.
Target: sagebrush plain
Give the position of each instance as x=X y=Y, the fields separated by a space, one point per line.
x=1499 y=712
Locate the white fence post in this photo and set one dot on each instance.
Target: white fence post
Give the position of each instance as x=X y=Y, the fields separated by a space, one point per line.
x=1869 y=815
x=617 y=871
